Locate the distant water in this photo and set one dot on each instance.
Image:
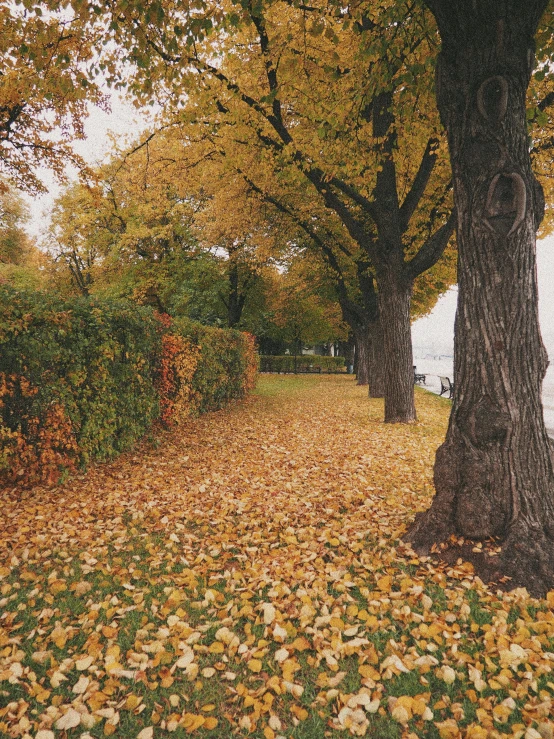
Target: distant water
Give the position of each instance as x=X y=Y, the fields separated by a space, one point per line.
x=433 y=368
x=548 y=400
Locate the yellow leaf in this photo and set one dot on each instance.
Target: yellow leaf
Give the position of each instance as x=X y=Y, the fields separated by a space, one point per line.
x=301 y=644
x=384 y=583
x=57 y=586
x=300 y=713
x=368 y=671
x=131 y=702
x=255 y=665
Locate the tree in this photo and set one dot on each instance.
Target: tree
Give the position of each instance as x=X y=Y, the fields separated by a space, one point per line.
x=20 y=261
x=45 y=51
x=75 y=238
x=494 y=474
x=128 y=235
x=341 y=125
x=351 y=272
x=232 y=227
x=301 y=313
x=14 y=240
x=150 y=232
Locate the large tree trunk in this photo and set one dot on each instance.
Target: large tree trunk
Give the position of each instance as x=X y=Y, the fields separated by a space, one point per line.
x=376 y=360
x=493 y=474
x=395 y=294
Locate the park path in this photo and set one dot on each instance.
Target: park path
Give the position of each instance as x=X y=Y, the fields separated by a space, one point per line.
x=308 y=452
x=245 y=577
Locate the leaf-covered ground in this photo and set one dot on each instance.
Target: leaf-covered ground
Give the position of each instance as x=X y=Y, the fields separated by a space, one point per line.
x=246 y=578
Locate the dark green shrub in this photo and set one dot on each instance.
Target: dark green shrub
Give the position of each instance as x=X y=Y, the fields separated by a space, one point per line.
x=85 y=379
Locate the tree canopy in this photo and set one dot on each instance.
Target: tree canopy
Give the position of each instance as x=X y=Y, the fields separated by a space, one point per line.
x=46 y=53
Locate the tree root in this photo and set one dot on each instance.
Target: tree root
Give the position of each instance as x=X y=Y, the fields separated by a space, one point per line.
x=527 y=559
x=431 y=527
x=524 y=559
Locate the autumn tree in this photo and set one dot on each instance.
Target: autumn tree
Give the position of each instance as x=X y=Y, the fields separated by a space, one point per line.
x=21 y=262
x=231 y=226
x=148 y=231
x=353 y=277
x=129 y=234
x=337 y=99
x=75 y=237
x=302 y=314
x=46 y=52
x=14 y=214
x=494 y=474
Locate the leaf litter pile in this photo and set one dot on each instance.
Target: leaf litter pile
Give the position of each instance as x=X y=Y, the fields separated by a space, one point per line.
x=246 y=578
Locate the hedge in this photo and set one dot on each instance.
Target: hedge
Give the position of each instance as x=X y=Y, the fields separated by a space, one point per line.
x=84 y=379
x=304 y=363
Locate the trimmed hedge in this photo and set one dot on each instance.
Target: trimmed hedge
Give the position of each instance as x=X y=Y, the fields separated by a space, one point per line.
x=304 y=363
x=85 y=379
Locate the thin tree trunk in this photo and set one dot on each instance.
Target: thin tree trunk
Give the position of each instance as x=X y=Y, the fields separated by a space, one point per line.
x=234 y=302
x=493 y=474
x=395 y=296
x=376 y=360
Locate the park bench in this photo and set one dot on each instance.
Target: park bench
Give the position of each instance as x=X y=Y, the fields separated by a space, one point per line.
x=418 y=377
x=304 y=367
x=446 y=386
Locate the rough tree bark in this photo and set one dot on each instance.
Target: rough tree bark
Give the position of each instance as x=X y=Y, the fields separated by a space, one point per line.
x=362 y=357
x=494 y=474
x=395 y=297
x=376 y=360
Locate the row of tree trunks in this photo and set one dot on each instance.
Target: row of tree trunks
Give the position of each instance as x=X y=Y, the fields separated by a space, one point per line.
x=370 y=367
x=494 y=474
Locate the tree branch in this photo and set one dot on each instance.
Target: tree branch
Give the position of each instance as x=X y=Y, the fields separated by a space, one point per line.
x=412 y=199
x=432 y=249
